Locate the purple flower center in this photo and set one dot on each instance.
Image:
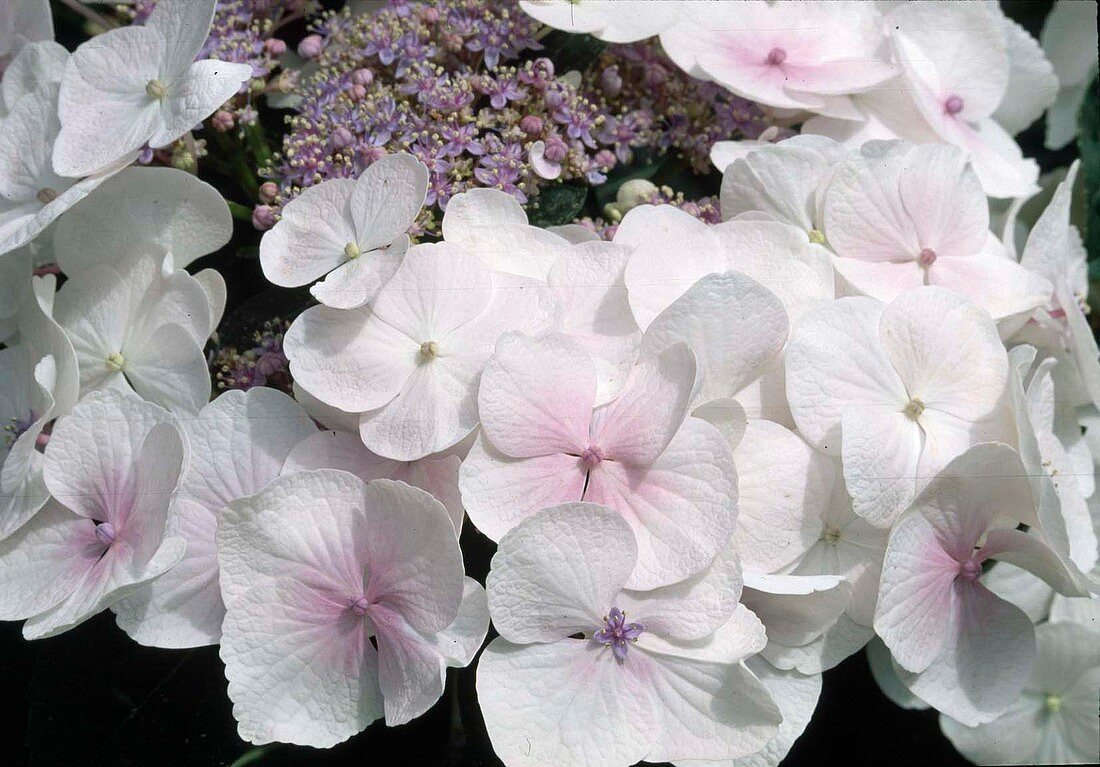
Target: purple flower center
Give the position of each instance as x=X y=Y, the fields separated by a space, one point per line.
x=105 y=533
x=616 y=633
x=776 y=56
x=359 y=606
x=591 y=457
x=953 y=105
x=970 y=570
x=927 y=257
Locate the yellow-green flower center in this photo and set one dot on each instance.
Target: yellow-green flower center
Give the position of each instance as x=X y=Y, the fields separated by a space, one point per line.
x=115 y=361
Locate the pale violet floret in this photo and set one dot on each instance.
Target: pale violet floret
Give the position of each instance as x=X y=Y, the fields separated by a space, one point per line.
x=139 y=211
x=140 y=85
x=346 y=602
x=563 y=684
x=614 y=21
x=1054 y=720
x=351 y=230
x=897 y=390
x=112 y=467
x=1070 y=42
x=237 y=444
x=140 y=325
x=900 y=216
x=801 y=56
x=410 y=362
x=40 y=383
x=32 y=193
x=542 y=443
x=955 y=644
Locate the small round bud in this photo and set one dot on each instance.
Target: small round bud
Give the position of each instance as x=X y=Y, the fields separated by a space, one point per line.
x=531 y=125
x=776 y=56
x=263 y=217
x=362 y=77
x=357 y=92
x=274 y=47
x=223 y=121
x=311 y=46
x=635 y=192
x=953 y=104
x=269 y=190
x=342 y=138
x=610 y=81
x=556 y=149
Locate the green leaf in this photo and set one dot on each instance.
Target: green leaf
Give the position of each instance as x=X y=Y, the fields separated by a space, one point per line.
x=557 y=205
x=570 y=51
x=1088 y=145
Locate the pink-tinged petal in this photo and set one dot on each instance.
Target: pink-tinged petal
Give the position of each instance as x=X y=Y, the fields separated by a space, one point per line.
x=916 y=595
x=357 y=282
x=499 y=492
x=341 y=450
x=691 y=609
x=671 y=250
x=413 y=563
x=947 y=352
x=682 y=508
x=735 y=326
x=410 y=672
x=387 y=198
x=835 y=360
x=43 y=561
x=351 y=360
x=881 y=454
x=299 y=666
x=310 y=238
x=157 y=470
x=92 y=454
x=536 y=396
x=944 y=200
x=703 y=709
x=556 y=703
x=302 y=526
x=638 y=425
x=783 y=488
x=555 y=574
x=1000 y=286
x=985 y=662
x=881 y=280
x=796 y=609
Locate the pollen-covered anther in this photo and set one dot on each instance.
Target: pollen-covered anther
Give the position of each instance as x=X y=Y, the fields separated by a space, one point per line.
x=617 y=632
x=429 y=350
x=776 y=56
x=926 y=258
x=914 y=409
x=46 y=195
x=115 y=361
x=156 y=89
x=105 y=533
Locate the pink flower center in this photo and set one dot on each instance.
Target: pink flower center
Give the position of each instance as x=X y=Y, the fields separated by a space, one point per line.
x=616 y=633
x=359 y=606
x=105 y=533
x=927 y=257
x=591 y=457
x=970 y=570
x=953 y=104
x=776 y=56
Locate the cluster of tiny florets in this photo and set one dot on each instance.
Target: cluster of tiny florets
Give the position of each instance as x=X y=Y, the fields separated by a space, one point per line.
x=706 y=209
x=262 y=364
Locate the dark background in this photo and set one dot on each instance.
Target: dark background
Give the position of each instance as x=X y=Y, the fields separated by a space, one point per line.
x=92 y=697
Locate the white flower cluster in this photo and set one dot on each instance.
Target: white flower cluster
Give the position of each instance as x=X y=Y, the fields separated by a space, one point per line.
x=716 y=460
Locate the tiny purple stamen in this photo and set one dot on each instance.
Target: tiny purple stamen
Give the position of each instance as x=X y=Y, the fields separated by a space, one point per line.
x=616 y=633
x=359 y=606
x=105 y=533
x=927 y=257
x=592 y=456
x=970 y=570
x=953 y=105
x=776 y=56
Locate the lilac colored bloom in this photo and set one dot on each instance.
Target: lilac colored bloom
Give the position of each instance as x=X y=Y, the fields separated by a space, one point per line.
x=616 y=633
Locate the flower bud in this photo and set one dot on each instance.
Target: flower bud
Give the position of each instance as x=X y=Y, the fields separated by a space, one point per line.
x=531 y=125
x=362 y=77
x=222 y=121
x=274 y=47
x=311 y=46
x=263 y=217
x=269 y=190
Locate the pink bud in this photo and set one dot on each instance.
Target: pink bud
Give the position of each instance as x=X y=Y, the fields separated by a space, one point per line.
x=362 y=77
x=275 y=47
x=342 y=138
x=222 y=121
x=531 y=125
x=556 y=149
x=606 y=159
x=263 y=217
x=357 y=93
x=311 y=46
x=610 y=81
x=269 y=190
